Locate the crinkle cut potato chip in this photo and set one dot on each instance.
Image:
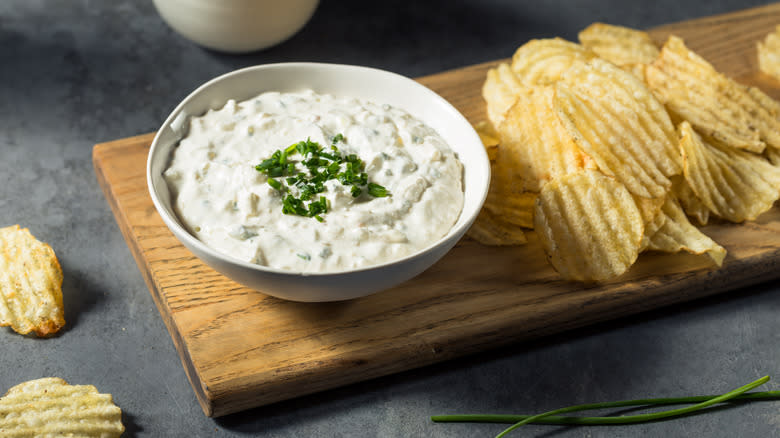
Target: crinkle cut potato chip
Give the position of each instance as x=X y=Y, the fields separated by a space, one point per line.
x=678 y=234
x=542 y=61
x=769 y=53
x=637 y=70
x=513 y=208
x=489 y=137
x=773 y=155
x=589 y=226
x=492 y=229
x=619 y=45
x=535 y=146
x=715 y=105
x=688 y=200
x=615 y=120
x=735 y=185
x=30 y=284
x=767 y=103
x=503 y=216
x=598 y=78
x=49 y=407
x=651 y=228
x=649 y=209
x=499 y=91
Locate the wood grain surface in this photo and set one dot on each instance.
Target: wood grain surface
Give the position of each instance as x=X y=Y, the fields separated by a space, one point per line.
x=241 y=348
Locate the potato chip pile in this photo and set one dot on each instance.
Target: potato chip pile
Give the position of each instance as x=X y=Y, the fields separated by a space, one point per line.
x=608 y=147
x=49 y=407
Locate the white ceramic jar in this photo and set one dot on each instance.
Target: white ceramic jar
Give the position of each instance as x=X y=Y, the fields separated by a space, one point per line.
x=236 y=26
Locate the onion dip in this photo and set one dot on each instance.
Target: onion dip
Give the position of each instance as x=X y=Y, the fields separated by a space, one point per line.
x=222 y=198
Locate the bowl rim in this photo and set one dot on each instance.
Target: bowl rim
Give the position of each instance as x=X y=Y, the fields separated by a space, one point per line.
x=188 y=240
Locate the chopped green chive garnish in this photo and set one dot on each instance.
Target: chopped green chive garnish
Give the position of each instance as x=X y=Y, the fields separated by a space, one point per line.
x=275 y=184
x=376 y=190
x=321 y=166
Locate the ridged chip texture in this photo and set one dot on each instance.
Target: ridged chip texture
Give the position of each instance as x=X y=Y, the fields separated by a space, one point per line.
x=770 y=105
x=489 y=137
x=499 y=91
x=495 y=230
x=616 y=120
x=49 y=407
x=534 y=145
x=514 y=208
x=735 y=185
x=651 y=227
x=715 y=105
x=503 y=215
x=30 y=284
x=619 y=45
x=650 y=210
x=678 y=234
x=688 y=200
x=768 y=52
x=773 y=155
x=542 y=61
x=589 y=226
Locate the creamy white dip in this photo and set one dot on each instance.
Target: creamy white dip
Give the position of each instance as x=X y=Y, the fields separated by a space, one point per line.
x=225 y=202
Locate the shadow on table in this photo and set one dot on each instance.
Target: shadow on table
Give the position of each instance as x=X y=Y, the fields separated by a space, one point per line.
x=79 y=295
x=584 y=365
x=415 y=35
x=121 y=74
x=132 y=428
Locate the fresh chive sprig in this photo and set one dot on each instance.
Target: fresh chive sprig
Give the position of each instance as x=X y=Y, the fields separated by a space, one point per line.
x=553 y=417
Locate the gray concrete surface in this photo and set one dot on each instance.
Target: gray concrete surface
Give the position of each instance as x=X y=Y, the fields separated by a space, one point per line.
x=80 y=72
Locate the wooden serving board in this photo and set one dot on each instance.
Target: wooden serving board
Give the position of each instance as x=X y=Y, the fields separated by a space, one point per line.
x=241 y=348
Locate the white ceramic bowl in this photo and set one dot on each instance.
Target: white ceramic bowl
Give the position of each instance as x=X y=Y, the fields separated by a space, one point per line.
x=342 y=80
x=236 y=26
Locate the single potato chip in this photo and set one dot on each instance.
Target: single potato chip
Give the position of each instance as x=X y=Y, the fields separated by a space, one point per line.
x=772 y=108
x=769 y=53
x=735 y=185
x=492 y=229
x=773 y=155
x=30 y=284
x=49 y=407
x=499 y=91
x=542 y=61
x=678 y=234
x=618 y=44
x=513 y=208
x=767 y=103
x=535 y=146
x=638 y=70
x=650 y=209
x=489 y=137
x=651 y=228
x=688 y=200
x=715 y=105
x=589 y=226
x=503 y=215
x=614 y=118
